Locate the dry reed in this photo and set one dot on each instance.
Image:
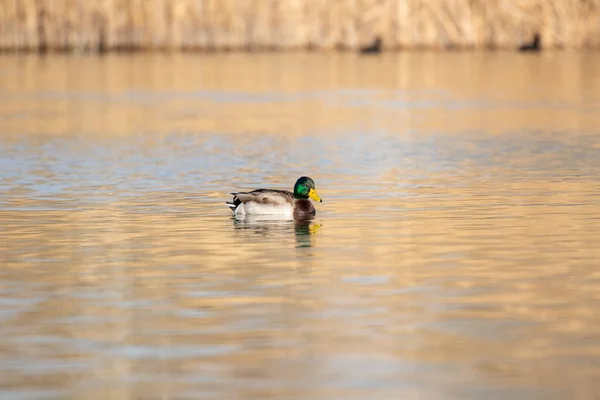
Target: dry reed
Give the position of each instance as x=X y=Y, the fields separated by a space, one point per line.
x=97 y=25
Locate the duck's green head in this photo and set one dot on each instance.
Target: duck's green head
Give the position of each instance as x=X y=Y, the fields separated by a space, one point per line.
x=305 y=188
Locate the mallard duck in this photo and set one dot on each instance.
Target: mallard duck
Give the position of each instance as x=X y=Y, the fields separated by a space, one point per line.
x=373 y=48
x=533 y=46
x=280 y=202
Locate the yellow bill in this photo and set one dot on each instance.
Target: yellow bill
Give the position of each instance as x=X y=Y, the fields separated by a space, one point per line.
x=313 y=195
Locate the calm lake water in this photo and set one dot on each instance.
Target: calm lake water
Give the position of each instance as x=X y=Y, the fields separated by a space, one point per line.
x=455 y=256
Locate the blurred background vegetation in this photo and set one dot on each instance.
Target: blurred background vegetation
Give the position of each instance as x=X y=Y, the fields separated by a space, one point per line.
x=206 y=25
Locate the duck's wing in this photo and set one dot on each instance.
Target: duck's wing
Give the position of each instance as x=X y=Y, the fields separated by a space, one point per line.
x=262 y=196
x=266 y=196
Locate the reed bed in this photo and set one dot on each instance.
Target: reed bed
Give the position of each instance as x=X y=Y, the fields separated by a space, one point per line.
x=104 y=25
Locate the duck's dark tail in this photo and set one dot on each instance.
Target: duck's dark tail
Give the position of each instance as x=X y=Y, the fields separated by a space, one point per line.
x=234 y=203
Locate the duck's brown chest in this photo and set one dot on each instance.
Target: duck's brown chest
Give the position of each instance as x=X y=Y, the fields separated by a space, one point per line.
x=303 y=207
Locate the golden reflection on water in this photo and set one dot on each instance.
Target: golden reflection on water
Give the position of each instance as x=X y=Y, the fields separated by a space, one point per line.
x=455 y=255
x=451 y=92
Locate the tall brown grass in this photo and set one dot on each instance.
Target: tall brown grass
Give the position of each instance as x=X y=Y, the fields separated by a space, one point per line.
x=91 y=25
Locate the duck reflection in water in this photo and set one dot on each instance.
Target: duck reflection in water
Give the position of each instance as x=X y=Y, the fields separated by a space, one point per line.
x=266 y=225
